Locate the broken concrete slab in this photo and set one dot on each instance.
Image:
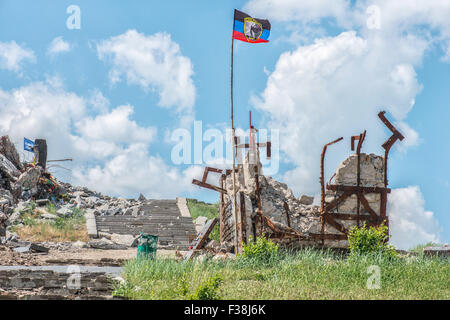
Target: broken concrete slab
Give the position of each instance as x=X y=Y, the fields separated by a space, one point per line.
x=8 y=149
x=306 y=200
x=49 y=216
x=38 y=248
x=123 y=239
x=106 y=244
x=90 y=223
x=29 y=179
x=8 y=169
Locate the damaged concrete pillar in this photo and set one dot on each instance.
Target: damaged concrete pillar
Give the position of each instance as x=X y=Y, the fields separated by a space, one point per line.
x=40 y=152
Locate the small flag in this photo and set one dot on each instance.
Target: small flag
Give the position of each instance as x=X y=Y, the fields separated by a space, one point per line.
x=28 y=145
x=249 y=29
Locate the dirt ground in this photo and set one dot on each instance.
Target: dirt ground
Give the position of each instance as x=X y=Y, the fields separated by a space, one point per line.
x=8 y=257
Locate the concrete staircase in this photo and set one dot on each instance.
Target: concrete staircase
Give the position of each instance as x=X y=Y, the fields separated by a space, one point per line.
x=168 y=219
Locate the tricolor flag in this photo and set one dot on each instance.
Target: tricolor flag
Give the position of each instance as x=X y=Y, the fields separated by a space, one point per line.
x=28 y=145
x=249 y=29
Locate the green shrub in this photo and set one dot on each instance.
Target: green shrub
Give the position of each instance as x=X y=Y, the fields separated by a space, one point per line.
x=370 y=240
x=263 y=250
x=208 y=290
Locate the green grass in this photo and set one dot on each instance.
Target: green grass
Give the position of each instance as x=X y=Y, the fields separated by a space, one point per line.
x=209 y=210
x=306 y=274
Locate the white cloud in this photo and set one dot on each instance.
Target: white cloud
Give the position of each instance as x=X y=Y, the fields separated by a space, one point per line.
x=110 y=150
x=13 y=56
x=57 y=46
x=134 y=171
x=151 y=62
x=334 y=87
x=305 y=11
x=410 y=223
x=115 y=127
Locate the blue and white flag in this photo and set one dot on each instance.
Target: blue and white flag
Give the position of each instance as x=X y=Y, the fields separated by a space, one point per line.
x=28 y=145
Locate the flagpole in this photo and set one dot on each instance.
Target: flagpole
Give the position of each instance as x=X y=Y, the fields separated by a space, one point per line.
x=236 y=240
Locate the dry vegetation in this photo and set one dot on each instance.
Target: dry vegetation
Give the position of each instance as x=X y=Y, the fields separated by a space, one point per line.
x=61 y=229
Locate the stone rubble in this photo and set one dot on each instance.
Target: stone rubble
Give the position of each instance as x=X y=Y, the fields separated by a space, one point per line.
x=301 y=214
x=23 y=184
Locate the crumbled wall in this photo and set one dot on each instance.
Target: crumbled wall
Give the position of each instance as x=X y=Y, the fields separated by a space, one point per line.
x=304 y=217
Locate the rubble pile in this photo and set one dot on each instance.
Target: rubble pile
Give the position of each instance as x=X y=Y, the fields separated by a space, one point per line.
x=24 y=184
x=298 y=216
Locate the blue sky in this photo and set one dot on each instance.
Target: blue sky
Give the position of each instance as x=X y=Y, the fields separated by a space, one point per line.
x=307 y=102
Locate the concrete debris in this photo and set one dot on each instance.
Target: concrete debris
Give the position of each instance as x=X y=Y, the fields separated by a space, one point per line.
x=200 y=223
x=142 y=197
x=106 y=244
x=29 y=179
x=297 y=217
x=440 y=251
x=306 y=200
x=8 y=149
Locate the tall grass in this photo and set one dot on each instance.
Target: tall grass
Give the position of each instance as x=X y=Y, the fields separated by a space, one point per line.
x=71 y=228
x=305 y=274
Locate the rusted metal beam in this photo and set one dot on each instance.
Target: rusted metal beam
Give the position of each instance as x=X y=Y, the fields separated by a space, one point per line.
x=396 y=135
x=222 y=210
x=328 y=236
x=286 y=210
x=208 y=186
x=333 y=204
x=243 y=222
x=330 y=220
x=200 y=241
x=349 y=216
x=322 y=179
x=322 y=183
x=366 y=206
x=355 y=189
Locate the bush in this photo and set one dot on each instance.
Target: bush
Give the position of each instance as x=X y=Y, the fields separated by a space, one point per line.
x=206 y=291
x=370 y=240
x=263 y=250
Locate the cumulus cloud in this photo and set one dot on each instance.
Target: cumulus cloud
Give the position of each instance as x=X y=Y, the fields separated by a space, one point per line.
x=151 y=62
x=410 y=223
x=13 y=56
x=331 y=88
x=57 y=46
x=306 y=11
x=135 y=171
x=111 y=151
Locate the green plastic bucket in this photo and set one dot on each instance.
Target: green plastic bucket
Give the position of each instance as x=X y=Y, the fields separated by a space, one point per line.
x=147 y=246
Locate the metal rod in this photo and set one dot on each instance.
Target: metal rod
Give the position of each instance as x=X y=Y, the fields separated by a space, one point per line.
x=236 y=241
x=70 y=159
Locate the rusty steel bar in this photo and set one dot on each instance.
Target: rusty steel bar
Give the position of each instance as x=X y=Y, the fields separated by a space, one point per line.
x=396 y=135
x=322 y=183
x=355 y=189
x=222 y=210
x=358 y=172
x=286 y=209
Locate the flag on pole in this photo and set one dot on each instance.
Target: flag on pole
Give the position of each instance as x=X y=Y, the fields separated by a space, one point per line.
x=28 y=145
x=249 y=29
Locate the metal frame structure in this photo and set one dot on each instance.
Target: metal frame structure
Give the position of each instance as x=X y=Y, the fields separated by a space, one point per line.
x=372 y=219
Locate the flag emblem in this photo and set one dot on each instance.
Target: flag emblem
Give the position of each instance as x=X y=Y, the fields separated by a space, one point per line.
x=28 y=145
x=249 y=29
x=252 y=29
